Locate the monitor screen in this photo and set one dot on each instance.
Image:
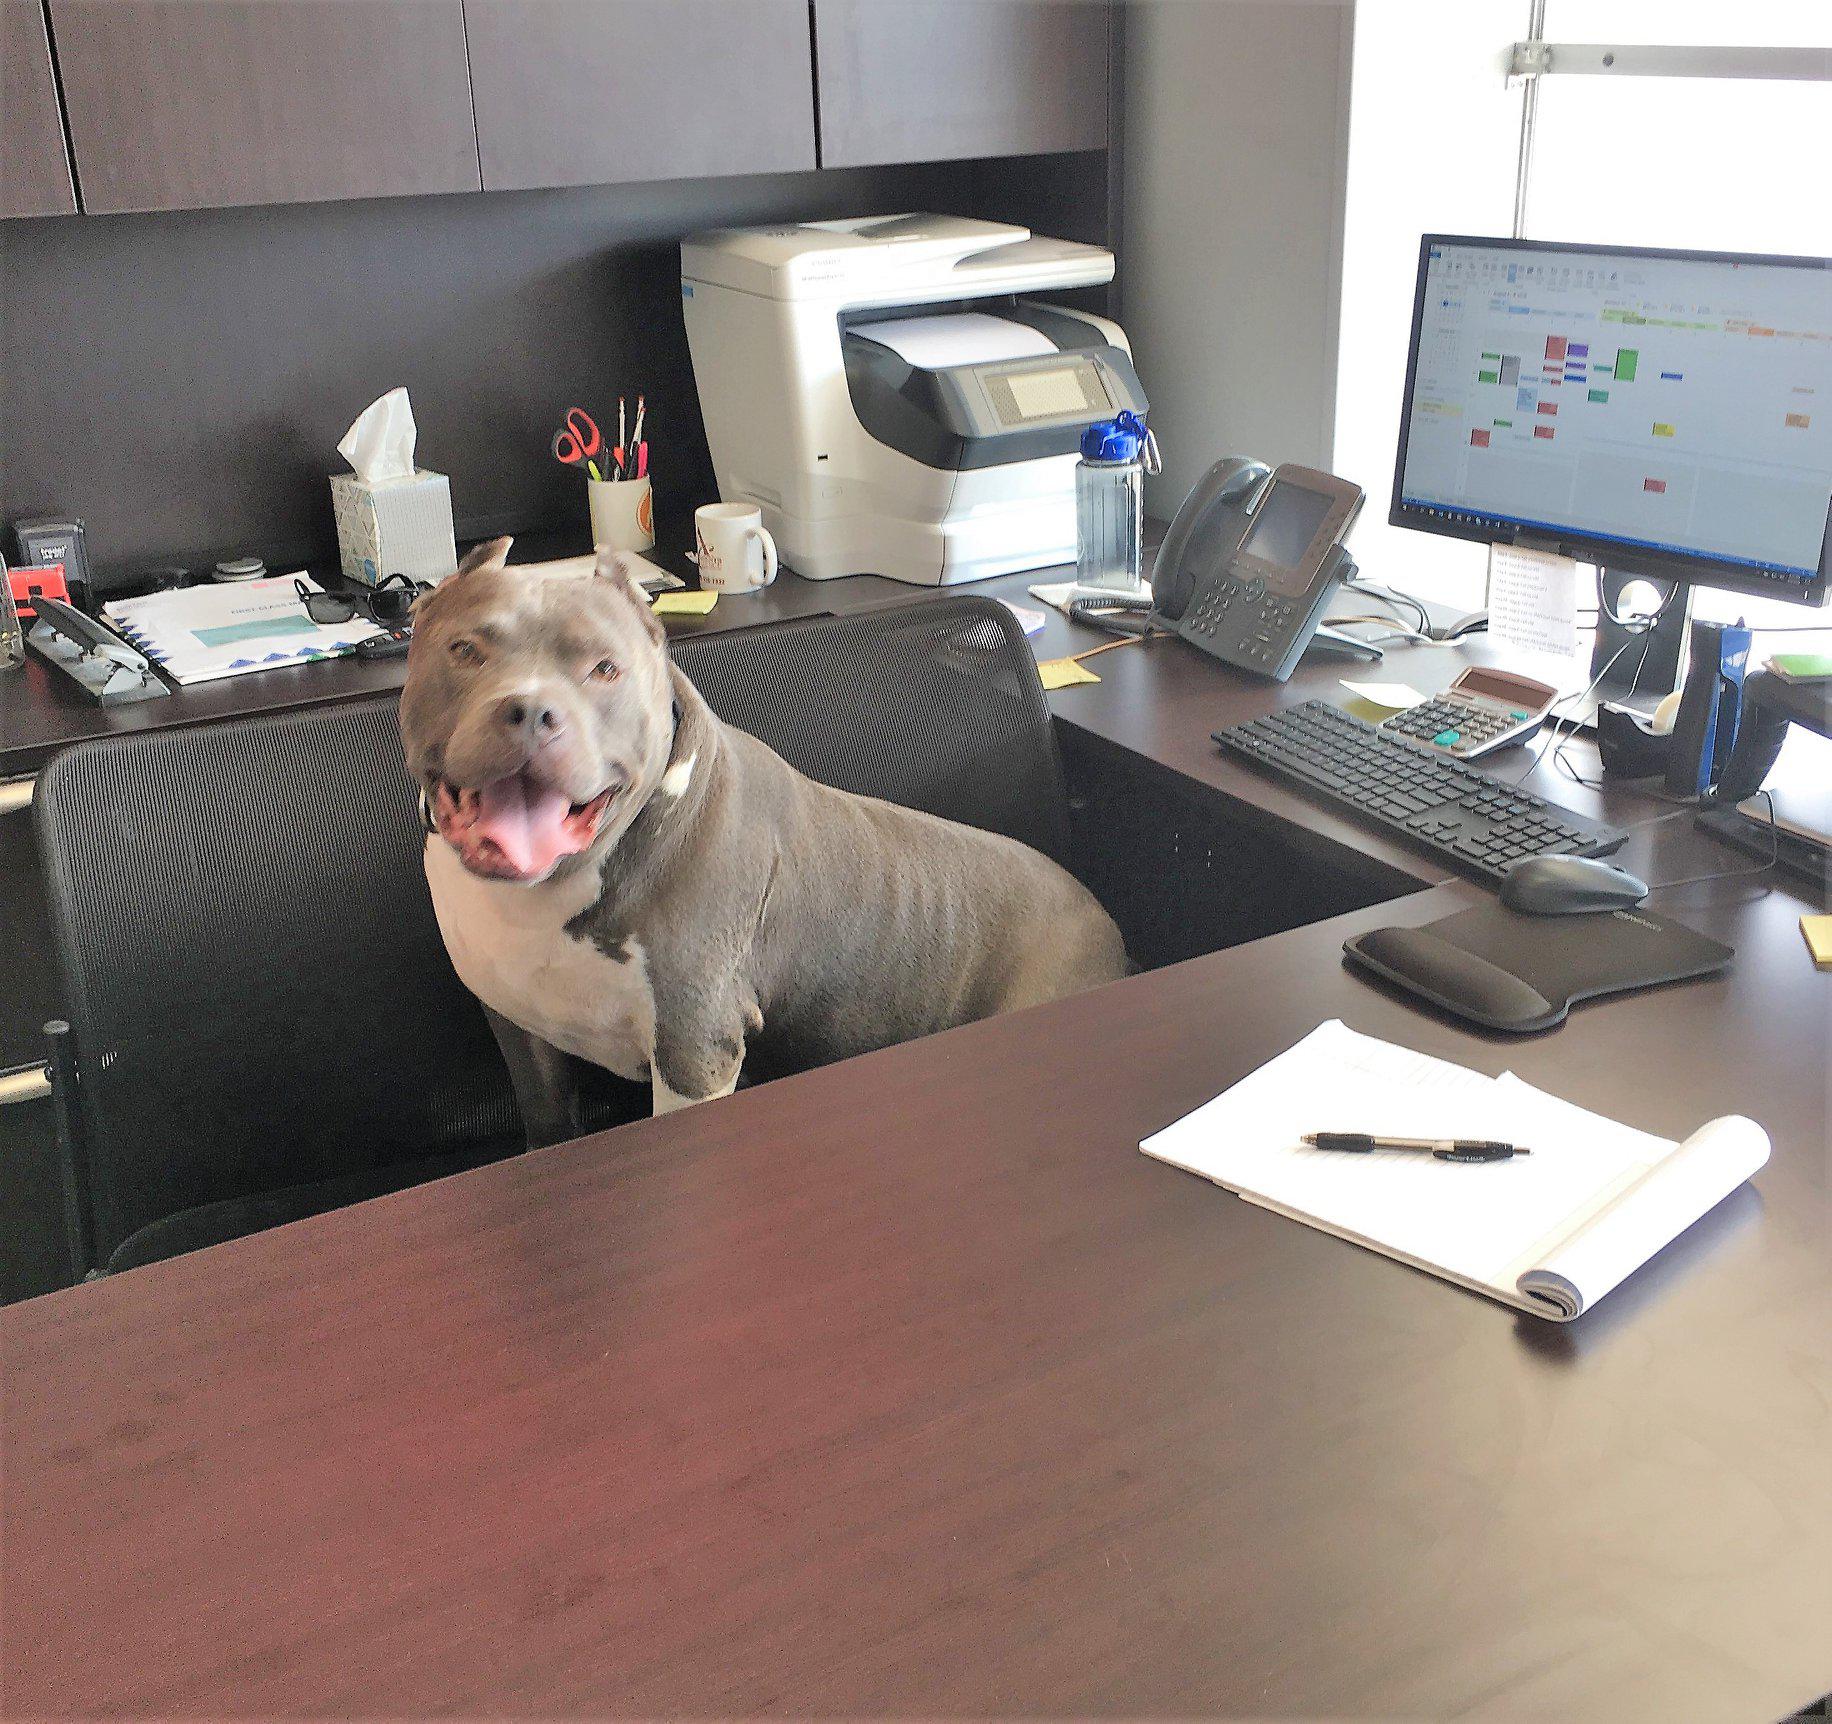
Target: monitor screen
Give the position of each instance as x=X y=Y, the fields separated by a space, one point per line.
x=1663 y=410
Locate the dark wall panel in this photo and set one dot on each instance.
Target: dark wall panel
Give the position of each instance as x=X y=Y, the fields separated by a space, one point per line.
x=181 y=380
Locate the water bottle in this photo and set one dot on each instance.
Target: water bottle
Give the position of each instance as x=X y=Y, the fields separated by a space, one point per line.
x=1116 y=455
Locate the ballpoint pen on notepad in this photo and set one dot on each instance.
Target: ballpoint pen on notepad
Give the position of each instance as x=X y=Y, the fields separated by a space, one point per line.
x=1444 y=1148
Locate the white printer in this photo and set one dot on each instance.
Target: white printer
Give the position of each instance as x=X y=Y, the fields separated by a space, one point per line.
x=885 y=393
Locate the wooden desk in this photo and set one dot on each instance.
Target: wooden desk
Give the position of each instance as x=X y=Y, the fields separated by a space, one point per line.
x=910 y=1387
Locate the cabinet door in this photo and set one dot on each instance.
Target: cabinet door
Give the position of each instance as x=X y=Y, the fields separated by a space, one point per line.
x=187 y=104
x=34 y=166
x=580 y=92
x=928 y=80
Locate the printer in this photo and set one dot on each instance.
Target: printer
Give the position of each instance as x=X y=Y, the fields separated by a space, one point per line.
x=887 y=392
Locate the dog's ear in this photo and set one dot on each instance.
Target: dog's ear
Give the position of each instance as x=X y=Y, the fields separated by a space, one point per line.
x=621 y=570
x=491 y=554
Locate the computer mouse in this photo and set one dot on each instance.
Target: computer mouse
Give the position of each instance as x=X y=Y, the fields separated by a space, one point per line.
x=1569 y=886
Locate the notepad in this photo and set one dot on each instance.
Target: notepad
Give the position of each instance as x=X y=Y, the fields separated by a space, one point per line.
x=1550 y=1233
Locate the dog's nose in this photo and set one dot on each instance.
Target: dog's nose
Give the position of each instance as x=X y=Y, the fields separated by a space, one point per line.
x=529 y=713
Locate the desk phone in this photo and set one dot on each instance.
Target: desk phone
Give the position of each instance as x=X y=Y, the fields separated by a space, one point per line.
x=1481 y=711
x=1251 y=561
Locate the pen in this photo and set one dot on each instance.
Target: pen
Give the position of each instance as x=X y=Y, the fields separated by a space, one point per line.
x=1444 y=1148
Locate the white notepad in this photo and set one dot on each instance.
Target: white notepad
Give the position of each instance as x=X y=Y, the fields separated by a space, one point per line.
x=1550 y=1233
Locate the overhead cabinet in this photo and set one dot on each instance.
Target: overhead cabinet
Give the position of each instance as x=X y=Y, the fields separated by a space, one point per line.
x=196 y=104
x=588 y=92
x=34 y=165
x=184 y=104
x=934 y=80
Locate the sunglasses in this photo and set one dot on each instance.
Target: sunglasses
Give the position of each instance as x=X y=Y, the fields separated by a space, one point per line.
x=388 y=603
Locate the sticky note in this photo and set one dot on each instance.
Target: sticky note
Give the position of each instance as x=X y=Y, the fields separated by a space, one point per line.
x=1394 y=696
x=1818 y=932
x=1063 y=673
x=684 y=604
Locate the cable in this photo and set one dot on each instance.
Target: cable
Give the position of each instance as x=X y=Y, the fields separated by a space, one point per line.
x=1774 y=856
x=1392 y=596
x=1108 y=646
x=1552 y=740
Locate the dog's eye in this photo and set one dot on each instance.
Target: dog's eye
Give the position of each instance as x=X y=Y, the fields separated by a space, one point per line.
x=465 y=652
x=605 y=670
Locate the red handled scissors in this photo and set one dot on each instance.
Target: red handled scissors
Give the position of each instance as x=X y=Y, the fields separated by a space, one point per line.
x=579 y=443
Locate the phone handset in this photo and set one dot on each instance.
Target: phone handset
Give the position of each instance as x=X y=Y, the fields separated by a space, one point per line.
x=1220 y=498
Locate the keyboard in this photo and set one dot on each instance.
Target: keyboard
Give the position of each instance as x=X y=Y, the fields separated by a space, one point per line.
x=1473 y=820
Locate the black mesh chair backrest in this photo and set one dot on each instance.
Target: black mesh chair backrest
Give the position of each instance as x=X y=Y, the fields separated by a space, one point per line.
x=255 y=981
x=934 y=704
x=256 y=986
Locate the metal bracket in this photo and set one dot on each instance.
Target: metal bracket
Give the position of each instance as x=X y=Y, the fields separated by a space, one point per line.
x=1535 y=59
x=1528 y=60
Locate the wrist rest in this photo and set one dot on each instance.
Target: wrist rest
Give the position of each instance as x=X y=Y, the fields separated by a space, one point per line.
x=1505 y=971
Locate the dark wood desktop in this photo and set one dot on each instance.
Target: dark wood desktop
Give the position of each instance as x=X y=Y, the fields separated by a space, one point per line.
x=909 y=1386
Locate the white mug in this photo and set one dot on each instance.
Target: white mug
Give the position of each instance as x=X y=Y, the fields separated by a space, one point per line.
x=623 y=514
x=734 y=549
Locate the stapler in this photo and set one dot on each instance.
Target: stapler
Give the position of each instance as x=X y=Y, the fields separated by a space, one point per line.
x=93 y=656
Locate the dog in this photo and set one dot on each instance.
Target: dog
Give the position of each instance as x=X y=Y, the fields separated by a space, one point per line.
x=622 y=877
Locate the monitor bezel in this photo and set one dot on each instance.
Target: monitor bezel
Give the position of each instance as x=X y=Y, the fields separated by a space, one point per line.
x=1698 y=568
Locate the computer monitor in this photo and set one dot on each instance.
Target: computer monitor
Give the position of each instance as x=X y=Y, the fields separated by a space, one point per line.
x=1665 y=414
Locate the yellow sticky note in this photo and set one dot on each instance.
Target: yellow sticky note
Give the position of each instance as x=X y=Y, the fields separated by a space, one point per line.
x=1063 y=673
x=684 y=604
x=1818 y=931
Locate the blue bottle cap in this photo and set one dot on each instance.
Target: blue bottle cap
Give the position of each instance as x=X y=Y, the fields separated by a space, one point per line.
x=1118 y=439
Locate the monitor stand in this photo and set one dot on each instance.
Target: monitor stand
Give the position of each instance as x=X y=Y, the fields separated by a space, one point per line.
x=1648 y=666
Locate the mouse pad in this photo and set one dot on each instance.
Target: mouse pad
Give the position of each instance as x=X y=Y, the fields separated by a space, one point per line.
x=1507 y=971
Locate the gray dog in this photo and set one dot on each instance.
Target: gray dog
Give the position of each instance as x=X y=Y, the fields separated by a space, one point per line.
x=623 y=877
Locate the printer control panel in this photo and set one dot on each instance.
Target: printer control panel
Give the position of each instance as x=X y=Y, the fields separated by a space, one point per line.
x=1062 y=387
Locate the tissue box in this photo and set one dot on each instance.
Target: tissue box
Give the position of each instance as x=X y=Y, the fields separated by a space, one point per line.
x=394 y=526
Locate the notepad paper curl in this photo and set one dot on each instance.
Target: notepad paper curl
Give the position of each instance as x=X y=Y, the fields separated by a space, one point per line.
x=1549 y=1233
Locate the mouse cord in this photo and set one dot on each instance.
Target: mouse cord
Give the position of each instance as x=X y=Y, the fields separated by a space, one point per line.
x=1774 y=856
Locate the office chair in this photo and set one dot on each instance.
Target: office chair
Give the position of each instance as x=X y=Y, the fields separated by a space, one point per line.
x=933 y=704
x=262 y=1021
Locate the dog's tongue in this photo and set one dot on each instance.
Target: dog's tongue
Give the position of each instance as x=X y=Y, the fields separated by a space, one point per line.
x=525 y=821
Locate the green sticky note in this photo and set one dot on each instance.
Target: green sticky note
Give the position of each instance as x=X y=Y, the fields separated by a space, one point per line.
x=684 y=604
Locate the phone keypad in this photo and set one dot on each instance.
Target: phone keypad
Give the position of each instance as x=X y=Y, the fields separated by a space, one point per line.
x=1244 y=619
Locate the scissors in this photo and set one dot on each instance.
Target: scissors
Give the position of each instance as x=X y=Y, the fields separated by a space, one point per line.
x=579 y=441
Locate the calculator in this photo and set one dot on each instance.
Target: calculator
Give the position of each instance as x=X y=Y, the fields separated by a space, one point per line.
x=1481 y=711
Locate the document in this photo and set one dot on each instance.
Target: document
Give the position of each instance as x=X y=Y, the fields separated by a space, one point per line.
x=198 y=634
x=1551 y=1232
x=1533 y=600
x=957 y=338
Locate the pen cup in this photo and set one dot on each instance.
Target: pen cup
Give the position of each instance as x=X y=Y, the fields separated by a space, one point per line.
x=623 y=514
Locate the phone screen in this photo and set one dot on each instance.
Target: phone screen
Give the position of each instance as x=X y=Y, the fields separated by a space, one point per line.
x=1282 y=530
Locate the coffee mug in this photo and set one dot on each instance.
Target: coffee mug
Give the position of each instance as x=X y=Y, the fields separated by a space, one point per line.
x=736 y=553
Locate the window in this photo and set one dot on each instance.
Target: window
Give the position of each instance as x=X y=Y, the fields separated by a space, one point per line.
x=1659 y=149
